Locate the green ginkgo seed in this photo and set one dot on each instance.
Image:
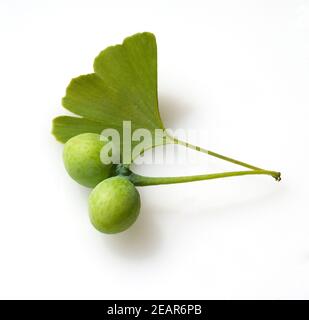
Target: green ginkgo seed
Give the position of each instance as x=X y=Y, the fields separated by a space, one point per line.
x=82 y=159
x=114 y=205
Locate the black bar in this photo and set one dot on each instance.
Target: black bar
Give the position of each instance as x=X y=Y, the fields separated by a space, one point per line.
x=169 y=309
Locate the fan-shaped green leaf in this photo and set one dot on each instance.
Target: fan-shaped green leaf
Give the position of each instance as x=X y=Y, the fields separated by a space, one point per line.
x=123 y=88
x=65 y=127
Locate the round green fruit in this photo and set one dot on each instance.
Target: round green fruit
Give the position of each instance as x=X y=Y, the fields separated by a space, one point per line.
x=114 y=205
x=82 y=160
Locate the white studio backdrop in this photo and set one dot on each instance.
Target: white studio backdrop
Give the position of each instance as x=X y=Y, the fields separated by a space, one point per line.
x=237 y=71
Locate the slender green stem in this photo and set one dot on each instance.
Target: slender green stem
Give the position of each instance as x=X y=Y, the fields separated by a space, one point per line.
x=150 y=181
x=214 y=154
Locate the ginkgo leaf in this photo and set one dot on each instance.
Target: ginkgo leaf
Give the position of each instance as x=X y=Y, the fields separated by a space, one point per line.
x=66 y=127
x=123 y=88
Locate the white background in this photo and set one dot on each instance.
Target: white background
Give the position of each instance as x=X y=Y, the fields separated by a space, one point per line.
x=238 y=71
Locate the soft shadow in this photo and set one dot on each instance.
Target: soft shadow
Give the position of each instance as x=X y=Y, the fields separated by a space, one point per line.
x=267 y=198
x=140 y=241
x=172 y=109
